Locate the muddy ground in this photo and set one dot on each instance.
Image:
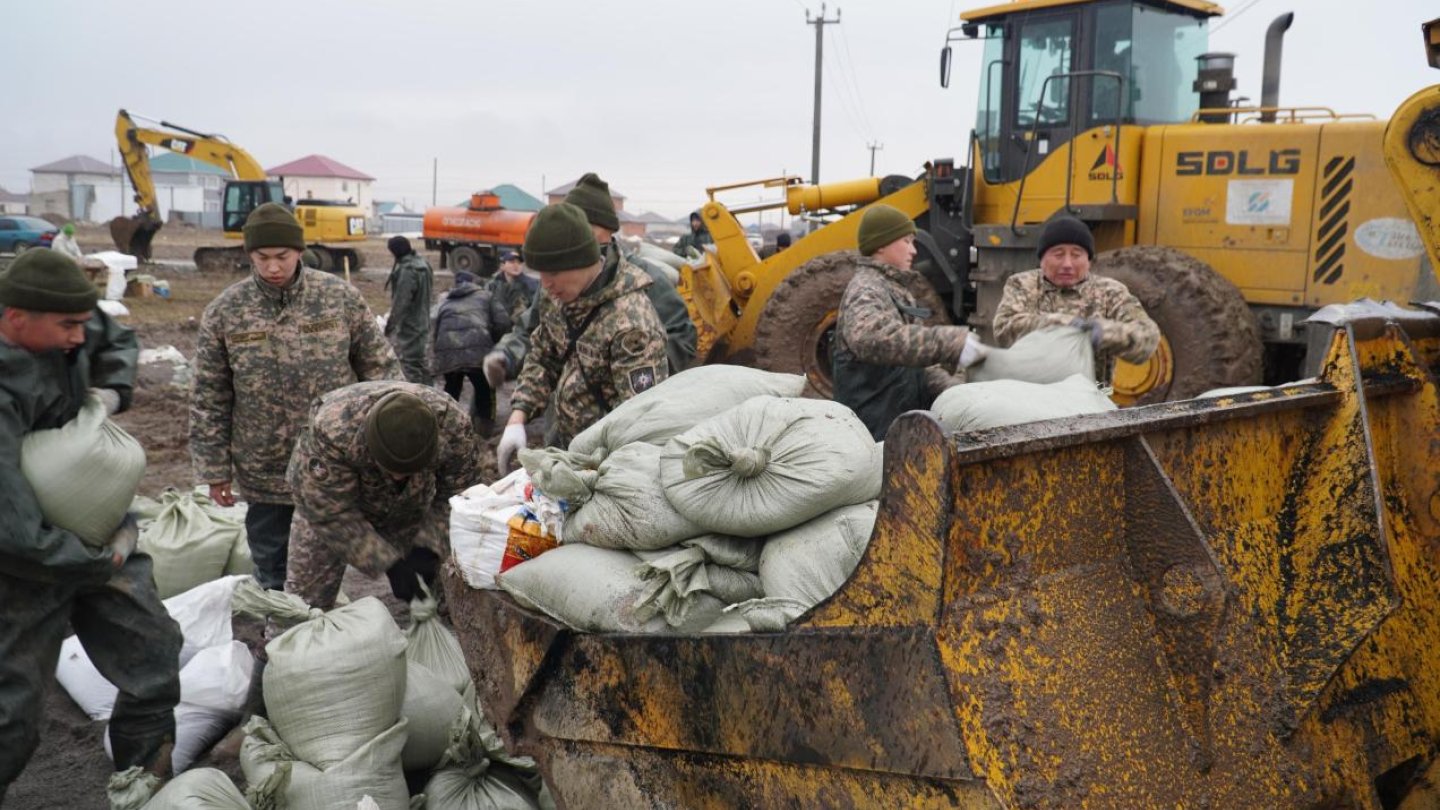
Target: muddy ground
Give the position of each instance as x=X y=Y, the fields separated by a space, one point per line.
x=70 y=769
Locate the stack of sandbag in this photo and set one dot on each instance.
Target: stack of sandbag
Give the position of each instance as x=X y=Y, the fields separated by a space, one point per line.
x=975 y=406
x=215 y=672
x=334 y=688
x=84 y=473
x=1043 y=356
x=662 y=539
x=192 y=540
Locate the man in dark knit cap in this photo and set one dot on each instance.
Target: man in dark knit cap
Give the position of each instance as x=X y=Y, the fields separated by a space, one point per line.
x=268 y=346
x=1062 y=292
x=695 y=239
x=887 y=360
x=592 y=195
x=54 y=345
x=372 y=475
x=598 y=342
x=408 y=326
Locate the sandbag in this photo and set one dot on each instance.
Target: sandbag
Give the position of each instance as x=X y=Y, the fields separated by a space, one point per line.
x=678 y=578
x=681 y=402
x=188 y=544
x=200 y=789
x=620 y=504
x=975 y=406
x=1044 y=356
x=131 y=789
x=430 y=643
x=431 y=710
x=84 y=473
x=482 y=785
x=596 y=590
x=279 y=779
x=769 y=464
x=810 y=562
x=336 y=681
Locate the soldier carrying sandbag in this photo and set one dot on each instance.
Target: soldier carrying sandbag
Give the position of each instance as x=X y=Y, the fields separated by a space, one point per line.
x=54 y=345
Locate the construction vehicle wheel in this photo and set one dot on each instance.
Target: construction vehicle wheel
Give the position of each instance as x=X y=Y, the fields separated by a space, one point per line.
x=1209 y=338
x=325 y=257
x=467 y=259
x=797 y=326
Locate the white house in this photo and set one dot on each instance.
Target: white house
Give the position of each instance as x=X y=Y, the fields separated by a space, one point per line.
x=67 y=187
x=12 y=203
x=316 y=177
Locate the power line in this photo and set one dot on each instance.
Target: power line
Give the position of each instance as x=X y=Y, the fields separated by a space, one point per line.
x=849 y=65
x=1231 y=18
x=842 y=93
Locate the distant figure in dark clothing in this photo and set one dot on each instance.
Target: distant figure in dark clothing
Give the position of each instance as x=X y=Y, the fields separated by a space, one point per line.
x=697 y=238
x=462 y=339
x=782 y=241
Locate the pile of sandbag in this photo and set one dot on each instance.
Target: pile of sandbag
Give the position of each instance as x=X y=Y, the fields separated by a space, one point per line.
x=191 y=540
x=674 y=498
x=215 y=672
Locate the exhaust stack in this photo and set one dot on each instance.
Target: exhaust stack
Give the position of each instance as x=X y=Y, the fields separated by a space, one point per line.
x=1270 y=84
x=1214 y=81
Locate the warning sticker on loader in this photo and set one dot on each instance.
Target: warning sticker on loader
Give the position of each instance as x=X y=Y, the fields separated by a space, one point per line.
x=1258 y=202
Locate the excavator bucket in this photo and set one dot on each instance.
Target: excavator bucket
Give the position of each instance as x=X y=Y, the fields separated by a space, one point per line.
x=133 y=235
x=1225 y=602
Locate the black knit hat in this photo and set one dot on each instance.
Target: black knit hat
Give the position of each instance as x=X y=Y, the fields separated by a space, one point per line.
x=592 y=195
x=880 y=225
x=559 y=239
x=401 y=433
x=272 y=225
x=44 y=280
x=1066 y=230
x=399 y=246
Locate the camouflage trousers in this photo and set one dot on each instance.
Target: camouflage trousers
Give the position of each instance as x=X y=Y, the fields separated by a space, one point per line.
x=128 y=636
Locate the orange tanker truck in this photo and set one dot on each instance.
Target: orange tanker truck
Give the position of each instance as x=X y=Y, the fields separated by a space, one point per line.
x=472 y=238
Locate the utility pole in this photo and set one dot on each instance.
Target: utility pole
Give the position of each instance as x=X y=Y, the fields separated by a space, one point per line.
x=873 y=147
x=434 y=181
x=819 y=22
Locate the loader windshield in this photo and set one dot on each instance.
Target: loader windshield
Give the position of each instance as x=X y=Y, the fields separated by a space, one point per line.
x=1156 y=53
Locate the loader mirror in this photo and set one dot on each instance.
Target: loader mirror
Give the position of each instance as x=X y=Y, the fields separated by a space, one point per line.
x=1432 y=41
x=945 y=56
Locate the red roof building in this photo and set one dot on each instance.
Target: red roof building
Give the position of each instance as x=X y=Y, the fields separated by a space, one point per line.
x=316 y=177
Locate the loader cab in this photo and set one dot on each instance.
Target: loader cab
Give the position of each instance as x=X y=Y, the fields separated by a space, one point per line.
x=244 y=196
x=1052 y=69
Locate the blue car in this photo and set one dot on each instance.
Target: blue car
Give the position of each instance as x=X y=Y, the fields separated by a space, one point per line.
x=19 y=233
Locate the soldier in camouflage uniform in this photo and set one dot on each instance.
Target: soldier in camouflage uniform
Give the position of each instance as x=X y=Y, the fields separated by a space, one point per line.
x=513 y=290
x=372 y=476
x=408 y=326
x=886 y=360
x=592 y=195
x=268 y=346
x=54 y=344
x=1063 y=293
x=599 y=341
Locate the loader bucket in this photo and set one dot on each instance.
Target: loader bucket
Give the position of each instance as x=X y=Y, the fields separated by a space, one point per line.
x=133 y=235
x=1224 y=602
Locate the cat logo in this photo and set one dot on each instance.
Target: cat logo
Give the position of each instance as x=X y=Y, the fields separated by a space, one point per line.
x=1105 y=164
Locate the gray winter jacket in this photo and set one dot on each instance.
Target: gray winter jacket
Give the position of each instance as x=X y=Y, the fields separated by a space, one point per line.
x=462 y=328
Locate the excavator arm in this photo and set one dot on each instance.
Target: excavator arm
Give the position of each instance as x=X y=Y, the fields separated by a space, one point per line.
x=134 y=234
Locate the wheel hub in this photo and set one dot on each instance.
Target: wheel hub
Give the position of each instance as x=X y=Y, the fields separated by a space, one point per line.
x=1132 y=381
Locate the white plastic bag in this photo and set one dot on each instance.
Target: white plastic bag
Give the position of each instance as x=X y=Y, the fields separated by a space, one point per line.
x=493 y=527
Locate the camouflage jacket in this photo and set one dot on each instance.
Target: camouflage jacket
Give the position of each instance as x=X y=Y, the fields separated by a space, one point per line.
x=262 y=357
x=356 y=511
x=514 y=298
x=620 y=353
x=881 y=323
x=40 y=392
x=1031 y=302
x=680 y=336
x=408 y=326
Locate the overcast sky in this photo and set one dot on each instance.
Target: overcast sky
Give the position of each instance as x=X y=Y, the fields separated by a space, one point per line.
x=661 y=98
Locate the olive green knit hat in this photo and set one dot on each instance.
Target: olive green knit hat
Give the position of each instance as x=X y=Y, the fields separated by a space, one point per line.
x=401 y=433
x=592 y=195
x=273 y=226
x=560 y=238
x=880 y=225
x=44 y=280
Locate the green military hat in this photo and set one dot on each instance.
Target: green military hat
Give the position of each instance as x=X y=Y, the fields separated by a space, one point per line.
x=401 y=433
x=592 y=195
x=559 y=239
x=272 y=225
x=880 y=225
x=44 y=280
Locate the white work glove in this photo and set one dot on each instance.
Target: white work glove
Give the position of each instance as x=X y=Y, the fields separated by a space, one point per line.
x=110 y=397
x=511 y=442
x=973 y=351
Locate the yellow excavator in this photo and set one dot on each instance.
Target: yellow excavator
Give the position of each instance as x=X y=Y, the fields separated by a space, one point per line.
x=1231 y=224
x=1209 y=603
x=324 y=221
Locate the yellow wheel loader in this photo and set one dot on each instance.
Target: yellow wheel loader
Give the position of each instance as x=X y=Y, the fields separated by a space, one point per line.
x=1231 y=224
x=1225 y=602
x=249 y=188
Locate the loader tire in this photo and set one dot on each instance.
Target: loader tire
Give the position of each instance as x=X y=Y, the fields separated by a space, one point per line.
x=1209 y=337
x=797 y=325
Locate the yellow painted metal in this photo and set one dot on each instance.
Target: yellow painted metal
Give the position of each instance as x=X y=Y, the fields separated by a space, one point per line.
x=1412 y=152
x=1131 y=381
x=800 y=199
x=1096 y=157
x=1025 y=6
